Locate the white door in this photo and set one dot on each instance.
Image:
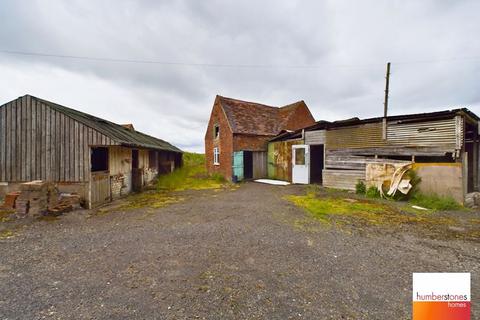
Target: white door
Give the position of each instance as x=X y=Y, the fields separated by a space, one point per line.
x=300 y=164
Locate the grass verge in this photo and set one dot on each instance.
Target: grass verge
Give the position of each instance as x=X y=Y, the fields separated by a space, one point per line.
x=192 y=176
x=357 y=214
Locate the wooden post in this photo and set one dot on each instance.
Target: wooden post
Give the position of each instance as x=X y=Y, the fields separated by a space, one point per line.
x=385 y=103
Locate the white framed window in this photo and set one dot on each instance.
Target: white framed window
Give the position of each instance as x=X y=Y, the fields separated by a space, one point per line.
x=216 y=156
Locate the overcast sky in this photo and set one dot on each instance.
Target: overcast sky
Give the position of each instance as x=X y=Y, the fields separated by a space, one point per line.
x=332 y=54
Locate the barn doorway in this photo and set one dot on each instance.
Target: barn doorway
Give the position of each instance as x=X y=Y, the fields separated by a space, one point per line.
x=316 y=163
x=137 y=173
x=247 y=165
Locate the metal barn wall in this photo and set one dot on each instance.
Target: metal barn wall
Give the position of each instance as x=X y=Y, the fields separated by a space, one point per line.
x=427 y=133
x=39 y=143
x=358 y=136
x=315 y=137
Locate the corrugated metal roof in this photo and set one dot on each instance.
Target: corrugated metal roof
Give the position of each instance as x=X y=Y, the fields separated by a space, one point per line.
x=407 y=118
x=116 y=132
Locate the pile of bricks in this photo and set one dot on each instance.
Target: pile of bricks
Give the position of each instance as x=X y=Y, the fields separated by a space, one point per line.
x=68 y=202
x=35 y=198
x=10 y=199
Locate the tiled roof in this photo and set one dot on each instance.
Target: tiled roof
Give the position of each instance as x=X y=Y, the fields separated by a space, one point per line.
x=257 y=119
x=120 y=134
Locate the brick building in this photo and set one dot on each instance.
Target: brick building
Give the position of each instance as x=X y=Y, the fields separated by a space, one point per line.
x=238 y=133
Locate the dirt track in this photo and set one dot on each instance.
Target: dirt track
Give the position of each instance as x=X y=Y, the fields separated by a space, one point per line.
x=217 y=255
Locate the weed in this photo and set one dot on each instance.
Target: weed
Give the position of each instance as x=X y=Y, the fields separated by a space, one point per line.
x=360 y=187
x=373 y=193
x=435 y=202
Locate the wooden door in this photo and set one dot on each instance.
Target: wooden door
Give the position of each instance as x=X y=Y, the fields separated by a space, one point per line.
x=99 y=188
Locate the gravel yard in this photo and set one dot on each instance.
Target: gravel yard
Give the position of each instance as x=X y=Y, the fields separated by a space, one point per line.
x=229 y=254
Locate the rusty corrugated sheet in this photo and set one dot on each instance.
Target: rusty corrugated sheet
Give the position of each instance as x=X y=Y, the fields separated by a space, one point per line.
x=359 y=136
x=428 y=133
x=280 y=159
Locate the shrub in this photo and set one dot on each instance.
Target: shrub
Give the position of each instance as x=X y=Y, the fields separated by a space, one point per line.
x=373 y=192
x=360 y=187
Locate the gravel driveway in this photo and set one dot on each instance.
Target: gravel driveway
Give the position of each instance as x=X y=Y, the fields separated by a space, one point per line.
x=234 y=254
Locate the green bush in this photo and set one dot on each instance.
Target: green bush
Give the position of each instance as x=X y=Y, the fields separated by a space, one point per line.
x=373 y=192
x=360 y=187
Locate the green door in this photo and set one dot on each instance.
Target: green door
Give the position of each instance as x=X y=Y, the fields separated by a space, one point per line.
x=237 y=165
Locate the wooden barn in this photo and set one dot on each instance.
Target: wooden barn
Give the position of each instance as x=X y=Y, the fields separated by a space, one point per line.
x=443 y=148
x=98 y=159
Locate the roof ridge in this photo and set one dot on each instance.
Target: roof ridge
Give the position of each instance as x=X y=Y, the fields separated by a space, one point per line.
x=250 y=102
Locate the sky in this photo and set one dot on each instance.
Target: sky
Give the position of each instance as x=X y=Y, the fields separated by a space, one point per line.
x=160 y=64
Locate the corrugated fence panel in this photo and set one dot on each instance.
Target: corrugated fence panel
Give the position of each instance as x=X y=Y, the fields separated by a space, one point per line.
x=342 y=179
x=360 y=136
x=427 y=133
x=315 y=137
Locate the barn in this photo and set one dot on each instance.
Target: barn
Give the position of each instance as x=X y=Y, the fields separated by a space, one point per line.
x=442 y=147
x=98 y=159
x=238 y=133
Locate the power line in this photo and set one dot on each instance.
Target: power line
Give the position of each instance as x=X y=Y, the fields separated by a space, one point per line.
x=217 y=65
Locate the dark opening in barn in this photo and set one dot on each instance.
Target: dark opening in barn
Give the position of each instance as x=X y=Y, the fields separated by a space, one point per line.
x=247 y=164
x=316 y=163
x=99 y=159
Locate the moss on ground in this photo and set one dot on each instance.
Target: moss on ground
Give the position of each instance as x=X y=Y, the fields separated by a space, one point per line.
x=5 y=234
x=6 y=215
x=151 y=199
x=344 y=211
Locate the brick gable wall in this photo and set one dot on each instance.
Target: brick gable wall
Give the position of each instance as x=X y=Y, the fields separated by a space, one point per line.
x=224 y=142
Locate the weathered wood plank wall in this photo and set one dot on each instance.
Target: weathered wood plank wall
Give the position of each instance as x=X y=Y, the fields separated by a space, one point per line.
x=40 y=143
x=259 y=159
x=315 y=137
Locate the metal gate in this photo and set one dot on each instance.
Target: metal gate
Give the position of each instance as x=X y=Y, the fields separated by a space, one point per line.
x=99 y=188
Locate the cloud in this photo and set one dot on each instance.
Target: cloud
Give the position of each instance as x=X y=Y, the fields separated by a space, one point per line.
x=348 y=42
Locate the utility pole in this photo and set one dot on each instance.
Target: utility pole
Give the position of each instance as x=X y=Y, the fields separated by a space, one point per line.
x=385 y=103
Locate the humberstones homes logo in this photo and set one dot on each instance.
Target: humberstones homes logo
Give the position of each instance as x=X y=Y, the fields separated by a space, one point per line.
x=441 y=296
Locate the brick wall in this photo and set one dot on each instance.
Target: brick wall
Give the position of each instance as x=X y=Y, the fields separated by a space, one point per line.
x=224 y=143
x=301 y=118
x=250 y=143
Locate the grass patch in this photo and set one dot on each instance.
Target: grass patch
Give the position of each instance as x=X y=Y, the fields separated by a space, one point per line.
x=192 y=176
x=5 y=214
x=359 y=214
x=6 y=234
x=325 y=208
x=435 y=203
x=151 y=199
